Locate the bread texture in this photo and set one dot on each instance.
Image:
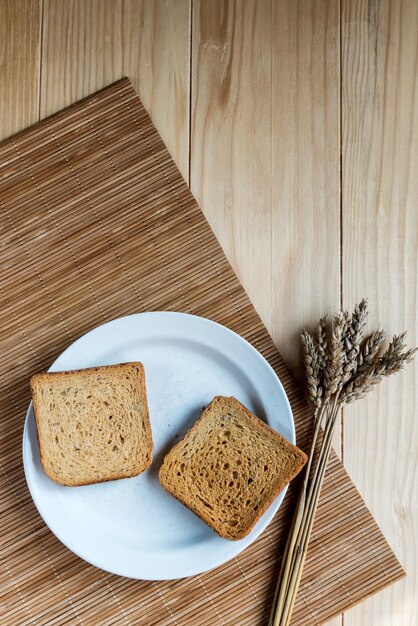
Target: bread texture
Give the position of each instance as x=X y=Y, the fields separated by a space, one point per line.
x=93 y=424
x=229 y=467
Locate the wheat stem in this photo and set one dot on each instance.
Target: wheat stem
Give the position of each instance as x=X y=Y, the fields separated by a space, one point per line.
x=305 y=529
x=302 y=546
x=287 y=559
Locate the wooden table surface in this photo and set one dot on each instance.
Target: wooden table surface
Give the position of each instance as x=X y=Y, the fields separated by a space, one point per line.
x=296 y=124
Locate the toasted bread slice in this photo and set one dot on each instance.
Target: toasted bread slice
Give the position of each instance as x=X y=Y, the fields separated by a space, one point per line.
x=229 y=467
x=93 y=424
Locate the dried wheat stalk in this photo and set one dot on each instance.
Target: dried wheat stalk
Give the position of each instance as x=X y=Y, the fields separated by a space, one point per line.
x=340 y=367
x=312 y=362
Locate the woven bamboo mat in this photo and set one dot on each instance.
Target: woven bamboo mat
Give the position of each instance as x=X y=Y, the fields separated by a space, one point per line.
x=97 y=222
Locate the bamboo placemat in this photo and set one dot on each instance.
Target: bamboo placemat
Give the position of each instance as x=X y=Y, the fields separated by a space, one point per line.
x=97 y=222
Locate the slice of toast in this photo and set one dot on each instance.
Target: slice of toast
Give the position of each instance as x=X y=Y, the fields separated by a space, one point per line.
x=93 y=424
x=229 y=467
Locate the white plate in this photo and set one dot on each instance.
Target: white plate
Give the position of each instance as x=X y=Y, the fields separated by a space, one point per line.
x=132 y=527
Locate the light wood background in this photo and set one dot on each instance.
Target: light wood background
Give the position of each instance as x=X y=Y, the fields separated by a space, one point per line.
x=295 y=123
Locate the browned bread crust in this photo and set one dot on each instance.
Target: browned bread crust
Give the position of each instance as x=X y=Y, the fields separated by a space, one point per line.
x=229 y=467
x=96 y=420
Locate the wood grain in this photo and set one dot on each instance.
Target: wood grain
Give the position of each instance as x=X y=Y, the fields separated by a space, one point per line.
x=265 y=166
x=20 y=32
x=88 y=44
x=380 y=260
x=265 y=152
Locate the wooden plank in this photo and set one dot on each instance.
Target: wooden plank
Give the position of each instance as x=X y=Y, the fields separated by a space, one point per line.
x=20 y=31
x=231 y=143
x=263 y=190
x=88 y=44
x=265 y=152
x=380 y=261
